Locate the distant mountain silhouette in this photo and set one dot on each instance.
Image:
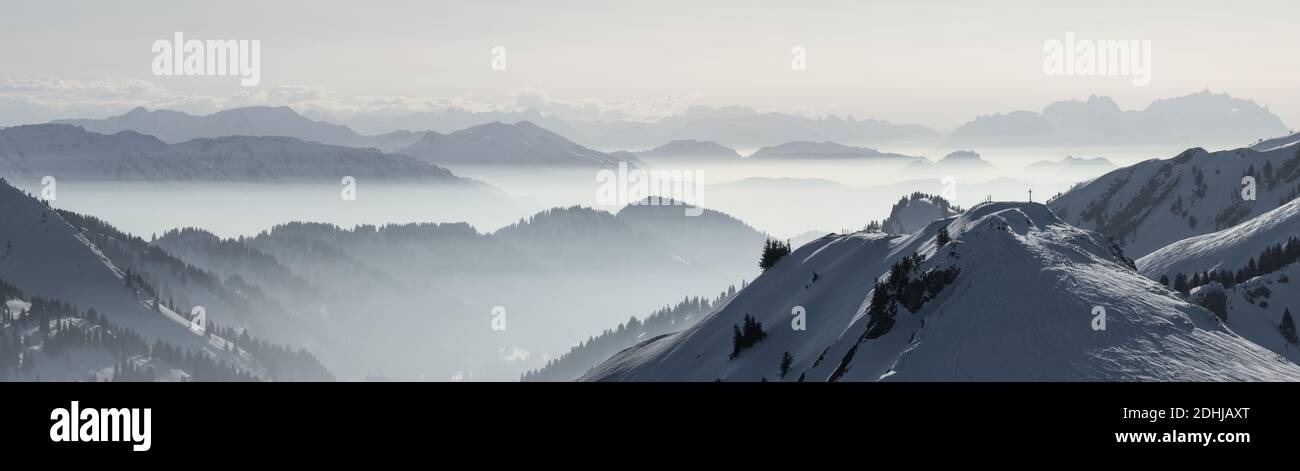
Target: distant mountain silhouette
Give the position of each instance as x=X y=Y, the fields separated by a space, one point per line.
x=1201 y=119
x=959 y=161
x=522 y=143
x=731 y=126
x=823 y=151
x=174 y=127
x=1070 y=162
x=691 y=149
x=30 y=153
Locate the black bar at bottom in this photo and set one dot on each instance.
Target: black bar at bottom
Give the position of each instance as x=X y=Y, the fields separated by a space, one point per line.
x=323 y=420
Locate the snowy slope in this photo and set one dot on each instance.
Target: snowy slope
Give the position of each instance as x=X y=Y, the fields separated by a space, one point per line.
x=1018 y=308
x=1154 y=203
x=1229 y=249
x=45 y=256
x=1277 y=143
x=1255 y=309
x=77 y=363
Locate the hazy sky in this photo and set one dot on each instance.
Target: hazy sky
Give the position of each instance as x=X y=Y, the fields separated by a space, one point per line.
x=938 y=63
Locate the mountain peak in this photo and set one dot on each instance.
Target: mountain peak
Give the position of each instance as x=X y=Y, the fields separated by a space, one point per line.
x=822 y=150
x=498 y=143
x=279 y=111
x=1036 y=215
x=1102 y=100
x=915 y=212
x=691 y=148
x=1160 y=201
x=962 y=156
x=526 y=124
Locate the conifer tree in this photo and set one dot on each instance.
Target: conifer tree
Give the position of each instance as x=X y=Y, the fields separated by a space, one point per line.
x=943 y=238
x=786 y=361
x=1288 y=328
x=773 y=251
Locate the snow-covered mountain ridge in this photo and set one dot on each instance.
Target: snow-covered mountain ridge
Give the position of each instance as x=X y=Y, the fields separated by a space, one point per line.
x=1012 y=296
x=1231 y=249
x=1157 y=202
